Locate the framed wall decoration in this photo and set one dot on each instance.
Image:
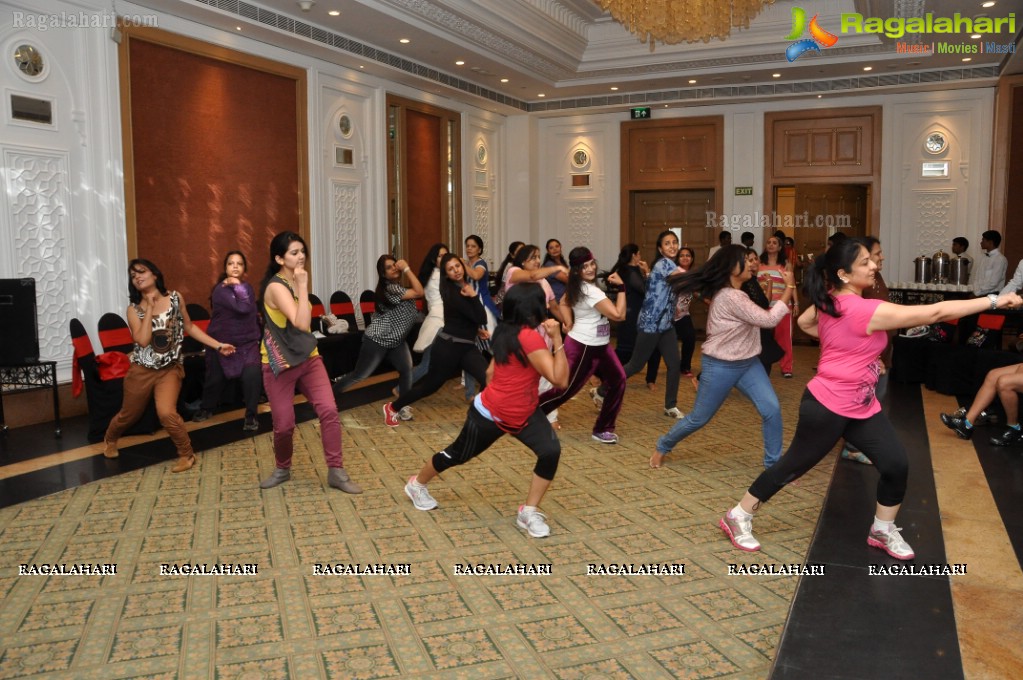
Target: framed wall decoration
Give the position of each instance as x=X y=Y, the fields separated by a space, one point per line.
x=344 y=124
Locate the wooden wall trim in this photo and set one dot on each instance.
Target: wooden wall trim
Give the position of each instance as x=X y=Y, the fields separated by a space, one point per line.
x=197 y=47
x=999 y=198
x=873 y=181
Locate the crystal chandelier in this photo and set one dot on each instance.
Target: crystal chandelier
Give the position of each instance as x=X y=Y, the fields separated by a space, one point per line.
x=676 y=21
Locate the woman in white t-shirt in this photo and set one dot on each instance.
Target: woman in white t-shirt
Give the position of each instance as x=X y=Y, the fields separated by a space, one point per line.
x=587 y=314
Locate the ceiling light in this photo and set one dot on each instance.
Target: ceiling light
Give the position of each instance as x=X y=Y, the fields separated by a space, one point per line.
x=819 y=96
x=987 y=4
x=614 y=89
x=868 y=68
x=967 y=58
x=541 y=95
x=459 y=63
x=776 y=75
x=692 y=81
x=238 y=28
x=404 y=41
x=305 y=5
x=504 y=80
x=975 y=36
x=334 y=13
x=672 y=22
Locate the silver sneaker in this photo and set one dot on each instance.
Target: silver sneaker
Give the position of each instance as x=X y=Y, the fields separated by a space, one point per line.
x=892 y=543
x=595 y=395
x=420 y=495
x=405 y=413
x=279 y=476
x=739 y=532
x=674 y=413
x=338 y=478
x=534 y=522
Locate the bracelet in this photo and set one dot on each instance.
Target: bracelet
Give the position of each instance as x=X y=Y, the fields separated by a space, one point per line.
x=558 y=349
x=406 y=270
x=789 y=285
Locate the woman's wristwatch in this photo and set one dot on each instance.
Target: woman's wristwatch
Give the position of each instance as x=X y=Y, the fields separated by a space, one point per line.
x=993 y=298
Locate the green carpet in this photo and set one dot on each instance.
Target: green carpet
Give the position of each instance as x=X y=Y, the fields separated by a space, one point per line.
x=606 y=506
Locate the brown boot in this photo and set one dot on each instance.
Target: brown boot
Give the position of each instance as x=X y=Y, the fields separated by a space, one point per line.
x=110 y=450
x=184 y=463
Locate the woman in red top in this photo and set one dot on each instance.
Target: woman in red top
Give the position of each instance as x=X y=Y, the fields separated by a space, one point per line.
x=510 y=403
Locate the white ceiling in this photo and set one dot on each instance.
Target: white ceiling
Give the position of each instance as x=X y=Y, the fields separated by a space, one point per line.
x=574 y=53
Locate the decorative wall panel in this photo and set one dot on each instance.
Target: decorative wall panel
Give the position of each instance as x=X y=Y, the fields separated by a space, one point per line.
x=346 y=229
x=40 y=204
x=581 y=215
x=935 y=213
x=481 y=224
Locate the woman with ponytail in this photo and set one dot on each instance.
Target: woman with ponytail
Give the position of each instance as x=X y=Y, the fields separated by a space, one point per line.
x=840 y=400
x=730 y=356
x=510 y=404
x=587 y=314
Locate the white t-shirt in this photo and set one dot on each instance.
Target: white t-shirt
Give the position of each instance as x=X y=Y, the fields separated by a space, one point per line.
x=589 y=326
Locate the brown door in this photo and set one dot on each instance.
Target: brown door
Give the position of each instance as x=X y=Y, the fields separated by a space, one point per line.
x=423 y=187
x=823 y=209
x=684 y=212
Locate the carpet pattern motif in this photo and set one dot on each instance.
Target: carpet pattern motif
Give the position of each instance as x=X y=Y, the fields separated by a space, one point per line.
x=606 y=506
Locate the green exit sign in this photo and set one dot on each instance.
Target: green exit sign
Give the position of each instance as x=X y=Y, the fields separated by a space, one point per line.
x=639 y=112
x=743 y=191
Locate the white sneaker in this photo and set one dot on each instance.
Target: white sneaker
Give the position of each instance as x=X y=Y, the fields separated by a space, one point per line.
x=405 y=413
x=674 y=413
x=598 y=400
x=534 y=522
x=420 y=495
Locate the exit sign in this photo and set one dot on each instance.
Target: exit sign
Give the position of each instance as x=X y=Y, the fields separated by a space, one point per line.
x=743 y=191
x=639 y=112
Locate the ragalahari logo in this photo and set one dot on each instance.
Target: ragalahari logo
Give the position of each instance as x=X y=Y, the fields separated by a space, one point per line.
x=818 y=36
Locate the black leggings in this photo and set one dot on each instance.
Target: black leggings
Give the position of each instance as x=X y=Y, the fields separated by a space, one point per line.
x=817 y=432
x=479 y=433
x=447 y=359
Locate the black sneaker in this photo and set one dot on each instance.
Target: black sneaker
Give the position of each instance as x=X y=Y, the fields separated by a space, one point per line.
x=1008 y=438
x=202 y=415
x=985 y=418
x=957 y=423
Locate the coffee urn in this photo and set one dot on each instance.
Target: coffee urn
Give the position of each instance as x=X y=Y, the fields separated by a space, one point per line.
x=939 y=267
x=922 y=269
x=959 y=270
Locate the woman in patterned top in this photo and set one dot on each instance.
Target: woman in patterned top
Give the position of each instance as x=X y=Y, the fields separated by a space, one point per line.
x=158 y=322
x=656 y=323
x=385 y=337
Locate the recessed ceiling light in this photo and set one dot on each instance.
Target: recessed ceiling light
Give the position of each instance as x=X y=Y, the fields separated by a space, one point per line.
x=334 y=13
x=776 y=75
x=975 y=36
x=504 y=80
x=692 y=81
x=614 y=89
x=404 y=41
x=361 y=66
x=868 y=68
x=988 y=4
x=238 y=28
x=819 y=96
x=967 y=58
x=541 y=95
x=459 y=63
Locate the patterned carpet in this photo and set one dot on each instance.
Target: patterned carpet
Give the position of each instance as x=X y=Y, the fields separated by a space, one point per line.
x=606 y=506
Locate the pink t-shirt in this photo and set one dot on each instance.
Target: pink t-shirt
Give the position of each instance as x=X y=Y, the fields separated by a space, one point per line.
x=850 y=362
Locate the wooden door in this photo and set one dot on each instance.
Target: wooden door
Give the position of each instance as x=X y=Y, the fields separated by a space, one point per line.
x=823 y=209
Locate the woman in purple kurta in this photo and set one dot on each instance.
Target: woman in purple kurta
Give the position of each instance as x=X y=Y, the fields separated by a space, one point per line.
x=235 y=318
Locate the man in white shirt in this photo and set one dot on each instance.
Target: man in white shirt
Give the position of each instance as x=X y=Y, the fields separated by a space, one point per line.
x=989 y=270
x=959 y=247
x=724 y=239
x=988 y=276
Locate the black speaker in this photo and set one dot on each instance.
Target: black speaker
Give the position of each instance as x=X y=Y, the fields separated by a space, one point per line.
x=19 y=341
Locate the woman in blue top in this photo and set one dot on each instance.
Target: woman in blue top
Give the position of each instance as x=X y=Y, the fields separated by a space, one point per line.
x=656 y=324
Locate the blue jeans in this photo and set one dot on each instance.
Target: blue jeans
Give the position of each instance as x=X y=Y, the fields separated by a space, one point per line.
x=422 y=368
x=717 y=379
